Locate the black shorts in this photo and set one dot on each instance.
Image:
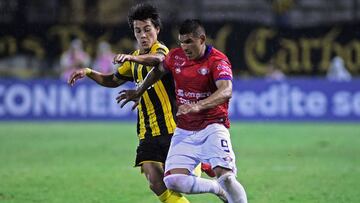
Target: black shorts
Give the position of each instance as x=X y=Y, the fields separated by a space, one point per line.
x=153 y=149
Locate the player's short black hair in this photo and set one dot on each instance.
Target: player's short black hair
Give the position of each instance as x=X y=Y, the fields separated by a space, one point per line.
x=193 y=26
x=144 y=11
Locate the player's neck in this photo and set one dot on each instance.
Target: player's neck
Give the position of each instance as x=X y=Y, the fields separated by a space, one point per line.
x=144 y=51
x=202 y=52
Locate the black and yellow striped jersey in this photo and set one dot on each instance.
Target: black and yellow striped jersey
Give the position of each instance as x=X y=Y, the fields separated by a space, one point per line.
x=156 y=109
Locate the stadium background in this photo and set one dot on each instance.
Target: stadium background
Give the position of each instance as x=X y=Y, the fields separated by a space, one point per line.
x=296 y=136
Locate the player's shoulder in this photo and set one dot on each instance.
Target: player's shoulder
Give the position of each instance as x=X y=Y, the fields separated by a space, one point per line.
x=175 y=57
x=219 y=60
x=176 y=54
x=216 y=55
x=159 y=47
x=135 y=53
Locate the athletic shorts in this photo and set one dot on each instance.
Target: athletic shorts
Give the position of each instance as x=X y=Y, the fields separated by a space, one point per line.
x=153 y=149
x=211 y=145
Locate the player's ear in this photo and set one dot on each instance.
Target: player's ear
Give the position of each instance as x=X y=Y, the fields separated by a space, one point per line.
x=202 y=38
x=157 y=30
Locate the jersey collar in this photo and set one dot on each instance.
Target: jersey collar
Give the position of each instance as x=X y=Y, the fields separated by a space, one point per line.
x=207 y=52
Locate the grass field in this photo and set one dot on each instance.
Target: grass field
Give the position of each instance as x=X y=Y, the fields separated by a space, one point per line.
x=92 y=162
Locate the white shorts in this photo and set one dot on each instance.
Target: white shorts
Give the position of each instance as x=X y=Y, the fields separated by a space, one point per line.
x=210 y=145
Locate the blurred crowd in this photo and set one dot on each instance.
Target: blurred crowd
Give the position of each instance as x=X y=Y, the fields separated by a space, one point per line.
x=75 y=58
x=26 y=50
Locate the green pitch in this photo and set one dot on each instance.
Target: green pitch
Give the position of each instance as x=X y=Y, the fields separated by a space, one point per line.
x=92 y=163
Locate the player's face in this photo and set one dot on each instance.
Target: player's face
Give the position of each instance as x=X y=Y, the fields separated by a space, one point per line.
x=192 y=45
x=145 y=33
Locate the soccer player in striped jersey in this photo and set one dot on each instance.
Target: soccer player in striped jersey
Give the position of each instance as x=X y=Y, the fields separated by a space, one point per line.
x=156 y=108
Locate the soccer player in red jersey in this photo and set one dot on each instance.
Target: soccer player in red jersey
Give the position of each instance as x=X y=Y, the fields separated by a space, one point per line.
x=203 y=87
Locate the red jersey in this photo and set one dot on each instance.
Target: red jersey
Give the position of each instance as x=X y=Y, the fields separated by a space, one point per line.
x=195 y=81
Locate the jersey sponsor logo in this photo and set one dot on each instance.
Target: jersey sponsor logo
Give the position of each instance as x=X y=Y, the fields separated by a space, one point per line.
x=185 y=97
x=177 y=57
x=180 y=92
x=203 y=71
x=179 y=64
x=186 y=101
x=197 y=95
x=222 y=67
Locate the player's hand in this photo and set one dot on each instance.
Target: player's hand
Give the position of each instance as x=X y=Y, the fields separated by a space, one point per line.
x=76 y=75
x=188 y=108
x=121 y=58
x=128 y=95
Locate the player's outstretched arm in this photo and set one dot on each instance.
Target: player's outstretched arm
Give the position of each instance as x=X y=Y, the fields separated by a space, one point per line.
x=221 y=95
x=76 y=75
x=106 y=80
x=145 y=59
x=134 y=95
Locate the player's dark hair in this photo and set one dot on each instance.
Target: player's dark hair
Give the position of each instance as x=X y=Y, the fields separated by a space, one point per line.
x=144 y=11
x=192 y=26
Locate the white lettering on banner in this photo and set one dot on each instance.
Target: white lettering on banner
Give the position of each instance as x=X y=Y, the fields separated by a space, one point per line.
x=280 y=100
x=296 y=100
x=114 y=107
x=316 y=104
x=356 y=103
x=284 y=101
x=44 y=102
x=268 y=102
x=2 y=109
x=344 y=104
x=72 y=104
x=97 y=102
x=245 y=103
x=18 y=100
x=341 y=106
x=55 y=100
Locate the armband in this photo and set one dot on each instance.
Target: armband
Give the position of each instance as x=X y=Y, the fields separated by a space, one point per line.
x=88 y=71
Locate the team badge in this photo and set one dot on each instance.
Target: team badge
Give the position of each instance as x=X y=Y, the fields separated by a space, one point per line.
x=203 y=70
x=177 y=70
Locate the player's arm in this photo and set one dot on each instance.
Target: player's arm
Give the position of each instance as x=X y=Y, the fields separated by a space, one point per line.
x=221 y=95
x=154 y=75
x=106 y=80
x=151 y=59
